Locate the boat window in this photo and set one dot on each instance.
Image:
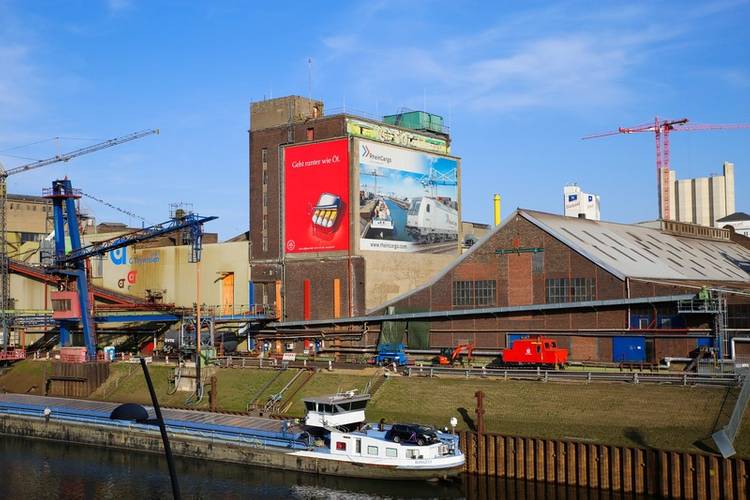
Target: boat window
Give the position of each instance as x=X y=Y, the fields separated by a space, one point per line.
x=340 y=446
x=372 y=450
x=538 y=349
x=310 y=405
x=342 y=407
x=327 y=408
x=412 y=453
x=546 y=345
x=359 y=405
x=358 y=446
x=391 y=452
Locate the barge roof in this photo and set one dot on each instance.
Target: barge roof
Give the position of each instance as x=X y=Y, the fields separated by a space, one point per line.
x=172 y=416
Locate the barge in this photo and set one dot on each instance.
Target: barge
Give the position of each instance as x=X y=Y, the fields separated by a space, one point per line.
x=332 y=439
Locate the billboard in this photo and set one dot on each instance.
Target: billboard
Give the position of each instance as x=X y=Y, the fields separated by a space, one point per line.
x=316 y=197
x=384 y=133
x=408 y=200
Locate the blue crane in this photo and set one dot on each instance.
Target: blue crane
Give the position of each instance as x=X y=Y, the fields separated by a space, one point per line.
x=71 y=307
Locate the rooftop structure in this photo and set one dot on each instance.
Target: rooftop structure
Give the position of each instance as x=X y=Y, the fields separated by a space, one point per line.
x=739 y=222
x=579 y=204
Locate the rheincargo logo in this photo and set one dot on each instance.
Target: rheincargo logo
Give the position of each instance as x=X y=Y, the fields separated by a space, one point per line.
x=366 y=153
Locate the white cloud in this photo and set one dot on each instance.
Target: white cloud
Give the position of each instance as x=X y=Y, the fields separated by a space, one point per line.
x=119 y=5
x=557 y=56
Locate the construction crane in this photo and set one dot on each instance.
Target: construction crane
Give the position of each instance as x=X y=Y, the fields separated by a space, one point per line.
x=4 y=174
x=661 y=130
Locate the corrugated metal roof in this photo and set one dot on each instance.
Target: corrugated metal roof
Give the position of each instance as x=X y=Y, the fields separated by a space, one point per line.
x=638 y=251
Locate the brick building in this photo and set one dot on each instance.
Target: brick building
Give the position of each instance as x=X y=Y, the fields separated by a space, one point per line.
x=330 y=230
x=607 y=291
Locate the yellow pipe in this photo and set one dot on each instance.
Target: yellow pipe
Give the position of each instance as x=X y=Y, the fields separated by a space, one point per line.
x=497 y=209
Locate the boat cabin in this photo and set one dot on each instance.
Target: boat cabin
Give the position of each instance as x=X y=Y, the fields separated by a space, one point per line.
x=337 y=410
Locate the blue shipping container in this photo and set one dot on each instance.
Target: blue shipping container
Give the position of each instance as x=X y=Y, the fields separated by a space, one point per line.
x=705 y=342
x=628 y=349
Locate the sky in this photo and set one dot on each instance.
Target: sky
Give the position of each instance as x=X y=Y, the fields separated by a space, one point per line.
x=519 y=84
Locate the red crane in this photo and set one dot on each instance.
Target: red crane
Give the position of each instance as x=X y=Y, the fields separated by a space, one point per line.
x=661 y=130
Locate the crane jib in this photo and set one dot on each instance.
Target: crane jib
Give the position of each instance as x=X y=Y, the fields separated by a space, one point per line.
x=101 y=248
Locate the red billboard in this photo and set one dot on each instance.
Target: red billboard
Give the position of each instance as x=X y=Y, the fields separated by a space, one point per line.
x=316 y=197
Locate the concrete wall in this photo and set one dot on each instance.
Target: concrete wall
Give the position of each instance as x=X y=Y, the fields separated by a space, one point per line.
x=704 y=200
x=168 y=269
x=685 y=201
x=390 y=274
x=28 y=214
x=718 y=192
x=283 y=110
x=701 y=202
x=729 y=181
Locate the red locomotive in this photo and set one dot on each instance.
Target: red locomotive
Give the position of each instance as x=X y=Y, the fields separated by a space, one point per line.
x=536 y=350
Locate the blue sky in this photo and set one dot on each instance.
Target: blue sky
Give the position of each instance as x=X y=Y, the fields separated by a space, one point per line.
x=518 y=83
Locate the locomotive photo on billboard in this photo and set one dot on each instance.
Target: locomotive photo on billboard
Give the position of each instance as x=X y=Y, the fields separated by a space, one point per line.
x=408 y=199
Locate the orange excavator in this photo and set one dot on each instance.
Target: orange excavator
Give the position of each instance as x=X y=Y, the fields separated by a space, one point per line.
x=449 y=355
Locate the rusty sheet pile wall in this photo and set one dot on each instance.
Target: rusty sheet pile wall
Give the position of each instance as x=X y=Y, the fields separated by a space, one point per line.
x=608 y=468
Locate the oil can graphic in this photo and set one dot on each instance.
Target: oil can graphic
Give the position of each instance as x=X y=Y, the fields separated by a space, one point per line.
x=328 y=212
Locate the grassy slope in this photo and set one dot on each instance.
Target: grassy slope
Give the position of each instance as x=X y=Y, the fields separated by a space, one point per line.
x=24 y=377
x=669 y=417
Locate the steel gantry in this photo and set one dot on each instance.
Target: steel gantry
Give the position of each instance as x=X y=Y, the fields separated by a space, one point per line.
x=72 y=304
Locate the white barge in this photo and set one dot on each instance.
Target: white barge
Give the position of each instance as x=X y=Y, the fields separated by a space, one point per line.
x=338 y=424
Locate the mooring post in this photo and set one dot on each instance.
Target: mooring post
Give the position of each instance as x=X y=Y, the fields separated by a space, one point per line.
x=480 y=411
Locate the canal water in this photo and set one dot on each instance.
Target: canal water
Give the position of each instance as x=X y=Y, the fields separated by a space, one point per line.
x=32 y=469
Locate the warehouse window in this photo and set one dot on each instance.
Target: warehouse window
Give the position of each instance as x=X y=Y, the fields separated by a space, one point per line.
x=577 y=289
x=582 y=289
x=537 y=262
x=310 y=134
x=557 y=290
x=265 y=243
x=463 y=293
x=264 y=156
x=485 y=291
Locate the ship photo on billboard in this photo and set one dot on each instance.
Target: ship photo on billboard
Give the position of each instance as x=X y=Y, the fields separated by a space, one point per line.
x=408 y=199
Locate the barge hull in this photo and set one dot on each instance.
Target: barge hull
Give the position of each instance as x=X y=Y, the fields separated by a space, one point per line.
x=203 y=448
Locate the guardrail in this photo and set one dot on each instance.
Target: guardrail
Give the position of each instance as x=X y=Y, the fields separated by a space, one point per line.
x=723 y=379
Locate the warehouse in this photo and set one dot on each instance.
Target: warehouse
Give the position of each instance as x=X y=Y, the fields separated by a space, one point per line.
x=550 y=274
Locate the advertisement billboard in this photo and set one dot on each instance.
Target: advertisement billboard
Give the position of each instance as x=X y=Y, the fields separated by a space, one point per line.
x=316 y=197
x=408 y=200
x=384 y=133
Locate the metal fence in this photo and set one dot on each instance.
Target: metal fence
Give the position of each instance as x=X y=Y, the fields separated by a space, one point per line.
x=684 y=378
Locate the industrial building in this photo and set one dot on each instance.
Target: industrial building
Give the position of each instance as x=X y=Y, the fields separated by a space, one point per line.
x=607 y=291
x=703 y=200
x=738 y=222
x=576 y=203
x=347 y=212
